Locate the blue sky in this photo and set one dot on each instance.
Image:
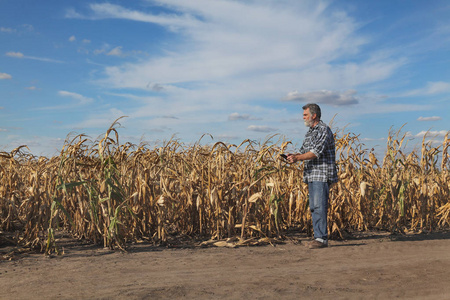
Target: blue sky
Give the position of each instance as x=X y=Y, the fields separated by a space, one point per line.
x=234 y=69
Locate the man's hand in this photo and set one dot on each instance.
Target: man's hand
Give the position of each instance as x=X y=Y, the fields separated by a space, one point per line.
x=292 y=158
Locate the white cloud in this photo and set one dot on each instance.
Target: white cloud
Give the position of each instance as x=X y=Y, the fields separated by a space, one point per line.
x=21 y=55
x=431 y=134
x=225 y=57
x=103 y=120
x=432 y=88
x=21 y=29
x=438 y=87
x=82 y=100
x=325 y=97
x=15 y=54
x=116 y=51
x=372 y=139
x=106 y=49
x=261 y=128
x=434 y=118
x=169 y=117
x=156 y=87
x=7 y=30
x=37 y=145
x=240 y=117
x=106 y=10
x=272 y=45
x=225 y=137
x=71 y=13
x=5 y=76
x=72 y=38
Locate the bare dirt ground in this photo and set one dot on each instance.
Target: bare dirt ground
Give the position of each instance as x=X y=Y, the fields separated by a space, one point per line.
x=373 y=266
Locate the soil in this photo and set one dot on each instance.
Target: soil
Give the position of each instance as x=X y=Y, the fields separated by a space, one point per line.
x=369 y=266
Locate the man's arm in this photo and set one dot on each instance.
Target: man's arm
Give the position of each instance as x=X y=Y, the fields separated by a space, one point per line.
x=292 y=158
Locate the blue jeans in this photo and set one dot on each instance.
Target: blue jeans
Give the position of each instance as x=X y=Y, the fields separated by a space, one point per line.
x=318 y=204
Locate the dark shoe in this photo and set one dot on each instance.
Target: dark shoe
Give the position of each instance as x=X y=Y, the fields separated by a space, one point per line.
x=315 y=245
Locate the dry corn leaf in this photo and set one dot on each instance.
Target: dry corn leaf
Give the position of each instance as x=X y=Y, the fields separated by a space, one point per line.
x=255 y=197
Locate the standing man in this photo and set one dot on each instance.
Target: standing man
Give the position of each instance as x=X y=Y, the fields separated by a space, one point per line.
x=318 y=150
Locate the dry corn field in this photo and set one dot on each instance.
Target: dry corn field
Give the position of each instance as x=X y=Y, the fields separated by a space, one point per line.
x=111 y=194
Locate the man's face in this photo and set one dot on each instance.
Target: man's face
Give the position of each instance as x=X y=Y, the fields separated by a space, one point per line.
x=308 y=118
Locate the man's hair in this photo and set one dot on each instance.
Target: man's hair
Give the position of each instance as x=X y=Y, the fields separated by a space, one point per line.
x=313 y=109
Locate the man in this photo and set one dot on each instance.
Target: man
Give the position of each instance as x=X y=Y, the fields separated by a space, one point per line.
x=318 y=150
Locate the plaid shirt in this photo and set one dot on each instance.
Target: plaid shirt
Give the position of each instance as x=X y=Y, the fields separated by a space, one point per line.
x=320 y=141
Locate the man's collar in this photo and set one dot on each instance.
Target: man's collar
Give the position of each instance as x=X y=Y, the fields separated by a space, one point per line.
x=318 y=123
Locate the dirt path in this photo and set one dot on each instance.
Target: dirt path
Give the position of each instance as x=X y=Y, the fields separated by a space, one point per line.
x=373 y=267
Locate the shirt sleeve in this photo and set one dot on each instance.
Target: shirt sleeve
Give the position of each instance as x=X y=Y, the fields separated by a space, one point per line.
x=302 y=149
x=320 y=142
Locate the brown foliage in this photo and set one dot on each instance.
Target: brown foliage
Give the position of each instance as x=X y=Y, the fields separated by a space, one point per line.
x=112 y=193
